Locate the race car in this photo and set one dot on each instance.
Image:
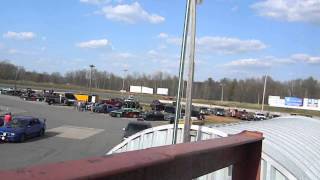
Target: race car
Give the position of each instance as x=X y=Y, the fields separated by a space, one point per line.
x=125 y=112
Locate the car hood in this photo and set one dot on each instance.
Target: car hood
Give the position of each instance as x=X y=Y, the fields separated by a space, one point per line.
x=11 y=130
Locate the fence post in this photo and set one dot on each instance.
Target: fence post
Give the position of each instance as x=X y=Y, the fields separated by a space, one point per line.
x=250 y=168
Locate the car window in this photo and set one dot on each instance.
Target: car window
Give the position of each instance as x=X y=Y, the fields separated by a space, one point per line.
x=36 y=121
x=17 y=123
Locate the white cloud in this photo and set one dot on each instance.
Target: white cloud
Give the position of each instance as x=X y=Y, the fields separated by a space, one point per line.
x=174 y=40
x=98 y=2
x=290 y=10
x=93 y=44
x=130 y=13
x=306 y=58
x=162 y=59
x=253 y=63
x=122 y=56
x=163 y=35
x=223 y=45
x=248 y=63
x=13 y=51
x=235 y=8
x=93 y=1
x=19 y=35
x=226 y=45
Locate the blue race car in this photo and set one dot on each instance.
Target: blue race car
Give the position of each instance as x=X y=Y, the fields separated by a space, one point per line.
x=21 y=128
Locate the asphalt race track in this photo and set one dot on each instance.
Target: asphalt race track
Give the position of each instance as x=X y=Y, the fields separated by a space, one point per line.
x=70 y=134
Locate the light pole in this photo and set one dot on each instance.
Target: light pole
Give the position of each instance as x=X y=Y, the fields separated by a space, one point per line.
x=264 y=92
x=124 y=74
x=221 y=85
x=16 y=78
x=190 y=15
x=181 y=70
x=90 y=84
x=187 y=121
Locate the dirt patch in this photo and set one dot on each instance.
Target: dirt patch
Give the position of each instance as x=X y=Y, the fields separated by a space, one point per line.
x=220 y=119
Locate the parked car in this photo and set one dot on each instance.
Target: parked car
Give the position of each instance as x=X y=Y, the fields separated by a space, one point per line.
x=169 y=117
x=243 y=115
x=12 y=92
x=130 y=98
x=21 y=128
x=204 y=111
x=258 y=116
x=271 y=116
x=153 y=116
x=115 y=102
x=135 y=127
x=125 y=112
x=170 y=109
x=105 y=108
x=69 y=99
x=156 y=105
x=32 y=97
x=131 y=104
x=53 y=98
x=219 y=112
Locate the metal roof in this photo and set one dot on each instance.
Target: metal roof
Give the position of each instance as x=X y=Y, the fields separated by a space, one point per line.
x=293 y=142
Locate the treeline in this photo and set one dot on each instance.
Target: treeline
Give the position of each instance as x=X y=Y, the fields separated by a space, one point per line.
x=248 y=90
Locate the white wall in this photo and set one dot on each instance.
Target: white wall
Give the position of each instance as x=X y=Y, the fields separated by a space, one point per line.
x=147 y=90
x=135 y=89
x=163 y=91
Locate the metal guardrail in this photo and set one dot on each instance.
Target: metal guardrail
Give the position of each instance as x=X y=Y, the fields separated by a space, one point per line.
x=181 y=161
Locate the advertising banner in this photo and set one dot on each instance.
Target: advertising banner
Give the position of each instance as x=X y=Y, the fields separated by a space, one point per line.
x=293 y=101
x=275 y=101
x=135 y=89
x=162 y=91
x=314 y=103
x=147 y=90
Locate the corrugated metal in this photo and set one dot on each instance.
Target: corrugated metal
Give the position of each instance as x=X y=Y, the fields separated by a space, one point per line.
x=291 y=149
x=162 y=135
x=293 y=142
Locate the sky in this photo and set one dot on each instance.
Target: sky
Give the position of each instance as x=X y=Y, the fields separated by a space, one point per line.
x=235 y=39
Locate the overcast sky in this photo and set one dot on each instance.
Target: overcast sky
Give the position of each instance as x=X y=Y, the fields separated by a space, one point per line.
x=235 y=39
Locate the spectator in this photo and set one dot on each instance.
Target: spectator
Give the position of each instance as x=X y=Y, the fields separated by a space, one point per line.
x=7 y=119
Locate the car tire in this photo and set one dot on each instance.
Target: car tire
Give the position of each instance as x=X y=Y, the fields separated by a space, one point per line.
x=22 y=138
x=41 y=133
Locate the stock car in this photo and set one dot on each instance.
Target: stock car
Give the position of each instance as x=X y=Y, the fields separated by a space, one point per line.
x=21 y=128
x=125 y=112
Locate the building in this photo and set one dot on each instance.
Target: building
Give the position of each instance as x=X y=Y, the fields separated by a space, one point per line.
x=291 y=149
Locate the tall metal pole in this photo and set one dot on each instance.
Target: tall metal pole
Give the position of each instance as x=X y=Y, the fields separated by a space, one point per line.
x=181 y=70
x=187 y=120
x=90 y=84
x=125 y=70
x=16 y=78
x=264 y=92
x=221 y=92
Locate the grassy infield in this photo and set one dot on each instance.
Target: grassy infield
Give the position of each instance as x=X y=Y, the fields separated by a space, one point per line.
x=212 y=102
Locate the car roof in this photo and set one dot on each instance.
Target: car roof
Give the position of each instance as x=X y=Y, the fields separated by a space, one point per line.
x=23 y=118
x=139 y=123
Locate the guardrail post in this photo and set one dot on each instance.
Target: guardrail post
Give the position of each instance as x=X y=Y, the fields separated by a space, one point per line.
x=249 y=169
